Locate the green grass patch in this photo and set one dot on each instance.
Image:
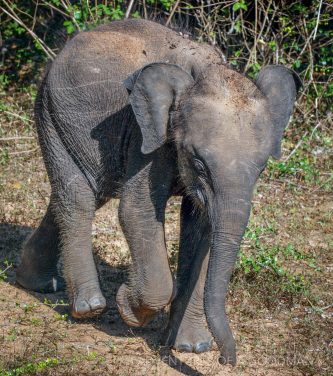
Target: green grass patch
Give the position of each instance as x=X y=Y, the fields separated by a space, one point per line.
x=307 y=162
x=32 y=368
x=273 y=273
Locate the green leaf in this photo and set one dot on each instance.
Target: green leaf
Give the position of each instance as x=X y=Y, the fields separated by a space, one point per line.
x=106 y=10
x=77 y=15
x=238 y=26
x=70 y=28
x=239 y=5
x=136 y=15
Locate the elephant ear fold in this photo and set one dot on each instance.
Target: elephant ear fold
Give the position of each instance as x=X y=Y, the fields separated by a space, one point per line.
x=280 y=86
x=154 y=91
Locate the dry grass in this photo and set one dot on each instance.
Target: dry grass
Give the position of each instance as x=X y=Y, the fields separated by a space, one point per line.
x=282 y=326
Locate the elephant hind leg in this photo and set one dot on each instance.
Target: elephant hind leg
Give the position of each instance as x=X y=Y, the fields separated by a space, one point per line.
x=72 y=209
x=38 y=267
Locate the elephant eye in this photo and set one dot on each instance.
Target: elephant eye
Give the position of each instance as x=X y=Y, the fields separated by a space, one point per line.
x=203 y=173
x=200 y=167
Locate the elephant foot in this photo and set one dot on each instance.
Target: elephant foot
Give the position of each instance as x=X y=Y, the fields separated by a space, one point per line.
x=188 y=337
x=133 y=316
x=36 y=281
x=88 y=304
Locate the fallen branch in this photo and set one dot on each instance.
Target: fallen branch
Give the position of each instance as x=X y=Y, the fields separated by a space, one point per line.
x=300 y=142
x=16 y=138
x=23 y=152
x=314 y=129
x=3 y=272
x=321 y=185
x=17 y=115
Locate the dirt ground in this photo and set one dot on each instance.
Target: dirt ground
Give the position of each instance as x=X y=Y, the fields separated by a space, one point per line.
x=282 y=326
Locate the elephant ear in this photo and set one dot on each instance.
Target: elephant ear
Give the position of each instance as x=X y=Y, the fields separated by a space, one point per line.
x=154 y=90
x=280 y=86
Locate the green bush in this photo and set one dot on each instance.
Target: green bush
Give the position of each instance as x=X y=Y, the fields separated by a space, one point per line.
x=297 y=34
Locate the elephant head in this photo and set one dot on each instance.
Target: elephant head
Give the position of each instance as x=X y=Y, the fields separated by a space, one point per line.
x=224 y=127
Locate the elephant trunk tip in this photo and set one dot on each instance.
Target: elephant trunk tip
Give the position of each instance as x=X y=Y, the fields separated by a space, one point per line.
x=228 y=356
x=220 y=329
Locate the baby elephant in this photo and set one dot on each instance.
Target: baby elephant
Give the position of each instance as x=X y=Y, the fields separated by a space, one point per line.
x=135 y=111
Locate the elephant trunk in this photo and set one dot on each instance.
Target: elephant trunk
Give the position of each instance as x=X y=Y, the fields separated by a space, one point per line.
x=229 y=219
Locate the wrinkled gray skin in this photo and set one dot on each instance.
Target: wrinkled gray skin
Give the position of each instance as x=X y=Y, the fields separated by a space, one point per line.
x=136 y=111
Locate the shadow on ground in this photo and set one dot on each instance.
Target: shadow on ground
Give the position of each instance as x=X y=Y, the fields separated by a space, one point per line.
x=13 y=237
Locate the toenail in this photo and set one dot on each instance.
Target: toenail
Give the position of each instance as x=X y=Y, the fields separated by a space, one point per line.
x=94 y=302
x=54 y=284
x=82 y=306
x=184 y=347
x=201 y=347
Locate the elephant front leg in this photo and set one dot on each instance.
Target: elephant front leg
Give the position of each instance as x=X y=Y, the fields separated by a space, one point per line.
x=187 y=329
x=150 y=285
